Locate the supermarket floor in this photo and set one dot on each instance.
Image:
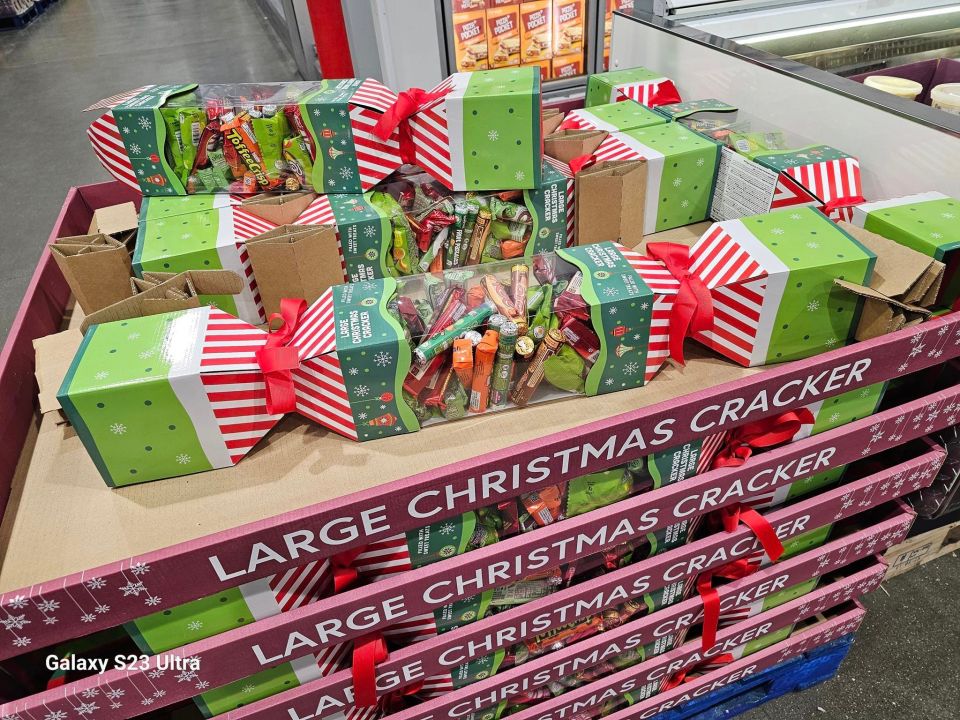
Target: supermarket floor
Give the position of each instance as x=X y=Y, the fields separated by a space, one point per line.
x=904 y=664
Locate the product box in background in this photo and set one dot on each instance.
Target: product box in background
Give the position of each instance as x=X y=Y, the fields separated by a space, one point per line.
x=567 y=66
x=645 y=86
x=624 y=115
x=503 y=33
x=771 y=280
x=928 y=223
x=568 y=27
x=247 y=138
x=536 y=31
x=470 y=35
x=482 y=130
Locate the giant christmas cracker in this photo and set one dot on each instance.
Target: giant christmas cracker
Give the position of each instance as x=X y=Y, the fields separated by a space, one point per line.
x=186 y=138
x=173 y=394
x=771 y=283
x=625 y=115
x=928 y=223
x=473 y=131
x=206 y=232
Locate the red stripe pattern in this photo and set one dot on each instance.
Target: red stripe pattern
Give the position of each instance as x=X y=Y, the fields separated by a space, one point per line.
x=106 y=141
x=830 y=181
x=789 y=193
x=650 y=92
x=301 y=585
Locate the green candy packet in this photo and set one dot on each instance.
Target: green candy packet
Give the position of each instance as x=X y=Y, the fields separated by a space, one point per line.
x=565 y=370
x=297 y=156
x=598 y=490
x=219 y=169
x=269 y=132
x=174 y=140
x=192 y=121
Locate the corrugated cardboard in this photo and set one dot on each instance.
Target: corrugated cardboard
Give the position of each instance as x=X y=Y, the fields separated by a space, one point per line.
x=96 y=267
x=165 y=292
x=295 y=261
x=550 y=120
x=278 y=209
x=904 y=285
x=54 y=355
x=117 y=220
x=609 y=202
x=565 y=145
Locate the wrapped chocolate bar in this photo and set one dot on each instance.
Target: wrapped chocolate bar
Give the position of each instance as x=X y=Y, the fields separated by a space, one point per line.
x=247 y=138
x=473 y=131
x=770 y=284
x=646 y=87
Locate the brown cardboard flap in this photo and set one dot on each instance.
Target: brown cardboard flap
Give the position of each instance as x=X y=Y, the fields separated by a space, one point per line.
x=565 y=145
x=296 y=261
x=899 y=272
x=880 y=314
x=550 y=120
x=54 y=353
x=278 y=209
x=115 y=219
x=96 y=267
x=179 y=292
x=610 y=202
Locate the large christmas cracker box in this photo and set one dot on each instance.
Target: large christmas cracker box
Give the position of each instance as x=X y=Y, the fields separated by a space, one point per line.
x=646 y=87
x=771 y=283
x=414 y=224
x=928 y=223
x=473 y=131
x=178 y=393
x=246 y=138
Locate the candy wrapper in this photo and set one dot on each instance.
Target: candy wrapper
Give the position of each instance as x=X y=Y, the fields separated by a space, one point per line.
x=175 y=237
x=473 y=131
x=928 y=223
x=414 y=224
x=624 y=115
x=640 y=84
x=247 y=138
x=770 y=279
x=709 y=117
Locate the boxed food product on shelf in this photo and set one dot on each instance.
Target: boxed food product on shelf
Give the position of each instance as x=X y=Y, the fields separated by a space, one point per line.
x=927 y=223
x=246 y=138
x=647 y=87
x=503 y=33
x=470 y=35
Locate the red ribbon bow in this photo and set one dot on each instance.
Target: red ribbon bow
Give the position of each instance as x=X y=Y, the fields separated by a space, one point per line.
x=277 y=359
x=368 y=652
x=693 y=308
x=580 y=162
x=736 y=569
x=344 y=571
x=767 y=433
x=408 y=103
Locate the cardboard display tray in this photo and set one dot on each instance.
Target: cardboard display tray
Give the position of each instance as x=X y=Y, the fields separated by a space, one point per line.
x=444 y=654
x=308 y=630
x=187 y=537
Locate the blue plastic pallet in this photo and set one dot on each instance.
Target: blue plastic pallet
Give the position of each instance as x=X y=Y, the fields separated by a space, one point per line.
x=796 y=674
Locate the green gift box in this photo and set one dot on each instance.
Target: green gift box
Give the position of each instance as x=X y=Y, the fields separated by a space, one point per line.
x=646 y=87
x=481 y=130
x=201 y=232
x=625 y=115
x=771 y=280
x=928 y=223
x=681 y=171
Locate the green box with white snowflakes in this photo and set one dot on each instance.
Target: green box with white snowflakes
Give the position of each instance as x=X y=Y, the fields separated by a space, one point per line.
x=928 y=223
x=771 y=281
x=640 y=84
x=624 y=115
x=246 y=138
x=681 y=172
x=207 y=232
